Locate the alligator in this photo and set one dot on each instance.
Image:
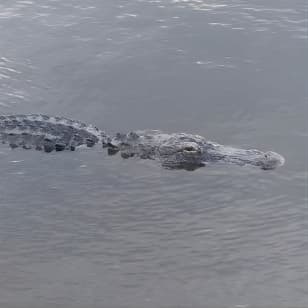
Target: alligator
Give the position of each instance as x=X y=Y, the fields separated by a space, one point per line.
x=173 y=151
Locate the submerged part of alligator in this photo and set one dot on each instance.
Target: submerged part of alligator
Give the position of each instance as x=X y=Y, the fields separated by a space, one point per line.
x=174 y=151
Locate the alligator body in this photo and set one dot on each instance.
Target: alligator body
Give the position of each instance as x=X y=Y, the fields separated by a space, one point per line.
x=173 y=151
x=47 y=133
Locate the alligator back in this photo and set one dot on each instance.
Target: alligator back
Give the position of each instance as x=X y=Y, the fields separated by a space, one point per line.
x=47 y=133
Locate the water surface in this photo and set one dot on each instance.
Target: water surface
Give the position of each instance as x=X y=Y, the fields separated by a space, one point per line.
x=86 y=230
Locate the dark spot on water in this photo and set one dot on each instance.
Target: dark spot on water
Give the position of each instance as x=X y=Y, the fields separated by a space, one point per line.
x=112 y=151
x=90 y=143
x=59 y=147
x=48 y=148
x=126 y=155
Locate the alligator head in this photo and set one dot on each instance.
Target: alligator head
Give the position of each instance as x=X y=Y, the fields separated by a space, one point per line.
x=181 y=154
x=186 y=151
x=174 y=151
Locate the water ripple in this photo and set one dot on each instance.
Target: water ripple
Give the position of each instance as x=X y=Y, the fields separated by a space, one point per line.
x=261 y=17
x=12 y=75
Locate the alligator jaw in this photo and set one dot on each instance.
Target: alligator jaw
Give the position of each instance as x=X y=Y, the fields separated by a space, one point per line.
x=264 y=160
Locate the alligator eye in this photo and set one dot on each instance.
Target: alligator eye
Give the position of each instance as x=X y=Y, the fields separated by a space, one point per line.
x=189 y=149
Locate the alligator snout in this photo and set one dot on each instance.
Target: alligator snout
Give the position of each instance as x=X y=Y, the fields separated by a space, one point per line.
x=271 y=160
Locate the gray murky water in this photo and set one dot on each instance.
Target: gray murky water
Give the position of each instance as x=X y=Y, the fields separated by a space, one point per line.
x=86 y=230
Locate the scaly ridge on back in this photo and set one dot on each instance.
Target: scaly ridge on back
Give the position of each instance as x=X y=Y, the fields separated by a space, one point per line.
x=48 y=133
